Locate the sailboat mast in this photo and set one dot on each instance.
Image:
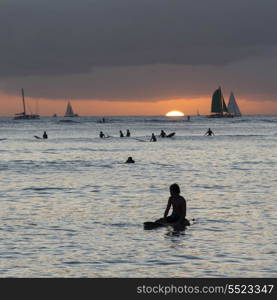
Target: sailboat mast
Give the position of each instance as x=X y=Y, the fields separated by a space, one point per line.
x=37 y=108
x=23 y=99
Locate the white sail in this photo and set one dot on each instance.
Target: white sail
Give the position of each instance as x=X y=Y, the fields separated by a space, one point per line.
x=69 y=111
x=233 y=107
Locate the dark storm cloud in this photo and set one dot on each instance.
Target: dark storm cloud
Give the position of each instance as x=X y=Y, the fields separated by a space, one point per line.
x=248 y=79
x=61 y=45
x=63 y=37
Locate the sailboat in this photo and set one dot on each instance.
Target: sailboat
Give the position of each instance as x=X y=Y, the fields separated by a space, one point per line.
x=69 y=111
x=23 y=115
x=233 y=107
x=218 y=107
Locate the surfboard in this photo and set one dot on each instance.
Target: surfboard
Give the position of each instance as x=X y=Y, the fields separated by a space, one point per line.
x=3 y=139
x=140 y=140
x=170 y=134
x=160 y=223
x=152 y=225
x=37 y=137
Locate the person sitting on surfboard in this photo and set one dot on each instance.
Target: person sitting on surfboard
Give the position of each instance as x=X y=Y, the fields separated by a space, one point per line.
x=101 y=134
x=45 y=136
x=153 y=138
x=209 y=132
x=177 y=219
x=162 y=134
x=128 y=133
x=130 y=160
x=121 y=133
x=179 y=206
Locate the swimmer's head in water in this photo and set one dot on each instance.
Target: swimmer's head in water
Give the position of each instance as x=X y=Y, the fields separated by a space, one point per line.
x=130 y=160
x=174 y=189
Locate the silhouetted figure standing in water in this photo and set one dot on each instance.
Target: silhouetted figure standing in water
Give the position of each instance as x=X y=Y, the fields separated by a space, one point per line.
x=121 y=133
x=101 y=134
x=209 y=132
x=45 y=136
x=153 y=138
x=130 y=160
x=179 y=207
x=162 y=134
x=128 y=133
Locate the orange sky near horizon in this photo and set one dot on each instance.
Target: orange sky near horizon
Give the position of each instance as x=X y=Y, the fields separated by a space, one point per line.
x=9 y=105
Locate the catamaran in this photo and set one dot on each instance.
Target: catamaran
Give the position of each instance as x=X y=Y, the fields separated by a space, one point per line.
x=233 y=107
x=69 y=111
x=218 y=107
x=23 y=115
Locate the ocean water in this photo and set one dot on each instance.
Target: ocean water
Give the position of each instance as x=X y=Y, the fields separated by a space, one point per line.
x=71 y=207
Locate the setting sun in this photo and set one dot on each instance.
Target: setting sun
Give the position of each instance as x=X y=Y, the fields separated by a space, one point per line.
x=174 y=113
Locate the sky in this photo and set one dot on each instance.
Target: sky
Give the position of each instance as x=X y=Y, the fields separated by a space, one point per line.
x=137 y=57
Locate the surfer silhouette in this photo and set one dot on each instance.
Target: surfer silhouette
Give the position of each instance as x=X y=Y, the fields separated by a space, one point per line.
x=101 y=134
x=45 y=136
x=179 y=206
x=177 y=219
x=209 y=132
x=128 y=133
x=130 y=160
x=153 y=138
x=121 y=133
x=162 y=134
